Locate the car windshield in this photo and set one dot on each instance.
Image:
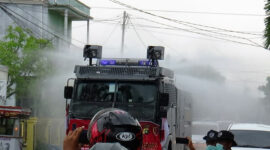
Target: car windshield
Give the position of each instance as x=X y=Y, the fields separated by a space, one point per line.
x=251 y=138
x=138 y=98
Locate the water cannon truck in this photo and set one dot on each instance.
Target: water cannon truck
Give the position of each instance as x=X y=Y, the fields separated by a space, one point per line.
x=138 y=86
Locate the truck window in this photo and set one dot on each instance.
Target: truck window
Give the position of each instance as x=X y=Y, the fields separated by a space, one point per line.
x=138 y=98
x=95 y=91
x=136 y=93
x=6 y=126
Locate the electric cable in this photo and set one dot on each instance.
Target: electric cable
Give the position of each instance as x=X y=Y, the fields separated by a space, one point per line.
x=59 y=36
x=173 y=20
x=242 y=32
x=233 y=36
x=163 y=43
x=107 y=39
x=5 y=8
x=187 y=30
x=192 y=12
x=137 y=34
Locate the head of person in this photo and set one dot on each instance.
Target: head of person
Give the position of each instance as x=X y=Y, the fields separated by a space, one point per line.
x=211 y=138
x=115 y=126
x=226 y=139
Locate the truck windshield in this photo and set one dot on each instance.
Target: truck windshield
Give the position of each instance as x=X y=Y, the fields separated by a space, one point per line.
x=6 y=126
x=252 y=138
x=137 y=98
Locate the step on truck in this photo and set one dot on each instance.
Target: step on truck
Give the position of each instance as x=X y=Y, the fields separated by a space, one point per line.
x=138 y=86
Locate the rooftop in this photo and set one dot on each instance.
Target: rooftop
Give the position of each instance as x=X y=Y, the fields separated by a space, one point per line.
x=78 y=10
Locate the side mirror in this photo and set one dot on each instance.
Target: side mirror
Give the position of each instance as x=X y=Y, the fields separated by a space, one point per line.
x=68 y=92
x=164 y=99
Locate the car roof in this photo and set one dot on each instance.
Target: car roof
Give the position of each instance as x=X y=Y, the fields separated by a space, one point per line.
x=249 y=126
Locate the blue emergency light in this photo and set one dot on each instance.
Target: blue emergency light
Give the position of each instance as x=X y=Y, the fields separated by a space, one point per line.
x=105 y=62
x=124 y=62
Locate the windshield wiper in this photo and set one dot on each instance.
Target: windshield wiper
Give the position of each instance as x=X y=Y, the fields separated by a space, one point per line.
x=252 y=146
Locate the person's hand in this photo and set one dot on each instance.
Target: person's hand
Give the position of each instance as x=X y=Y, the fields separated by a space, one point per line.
x=190 y=144
x=71 y=141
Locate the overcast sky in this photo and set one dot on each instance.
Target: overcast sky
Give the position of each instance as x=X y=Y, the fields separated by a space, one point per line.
x=210 y=68
x=236 y=64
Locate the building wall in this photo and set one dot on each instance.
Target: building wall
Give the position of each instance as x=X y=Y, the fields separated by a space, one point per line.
x=38 y=18
x=41 y=21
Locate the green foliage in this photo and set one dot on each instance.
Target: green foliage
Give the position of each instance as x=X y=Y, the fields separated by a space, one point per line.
x=266 y=89
x=23 y=55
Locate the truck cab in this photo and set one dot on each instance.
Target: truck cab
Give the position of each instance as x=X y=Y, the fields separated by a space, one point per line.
x=13 y=127
x=138 y=86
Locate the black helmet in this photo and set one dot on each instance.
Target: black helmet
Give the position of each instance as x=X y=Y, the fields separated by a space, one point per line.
x=211 y=136
x=114 y=125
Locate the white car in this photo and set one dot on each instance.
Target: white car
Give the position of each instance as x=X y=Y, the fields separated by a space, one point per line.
x=250 y=136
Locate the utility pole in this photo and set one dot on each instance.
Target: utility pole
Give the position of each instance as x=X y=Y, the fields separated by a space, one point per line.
x=125 y=17
x=87 y=32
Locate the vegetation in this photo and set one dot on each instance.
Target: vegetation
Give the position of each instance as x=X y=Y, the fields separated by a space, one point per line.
x=22 y=53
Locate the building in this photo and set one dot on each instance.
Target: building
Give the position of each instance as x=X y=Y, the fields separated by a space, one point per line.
x=51 y=19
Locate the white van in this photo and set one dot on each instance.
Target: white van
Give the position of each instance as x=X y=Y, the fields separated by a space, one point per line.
x=251 y=136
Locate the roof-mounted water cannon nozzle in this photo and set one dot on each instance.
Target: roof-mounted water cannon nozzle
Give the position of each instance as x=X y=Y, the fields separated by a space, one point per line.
x=155 y=53
x=92 y=51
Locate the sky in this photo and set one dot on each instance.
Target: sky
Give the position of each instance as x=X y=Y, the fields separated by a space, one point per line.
x=204 y=65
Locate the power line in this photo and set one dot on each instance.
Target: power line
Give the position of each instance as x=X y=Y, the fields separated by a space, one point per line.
x=138 y=35
x=118 y=17
x=148 y=26
x=107 y=39
x=187 y=30
x=242 y=32
x=173 y=20
x=41 y=21
x=162 y=42
x=158 y=27
x=228 y=35
x=179 y=35
x=94 y=21
x=189 y=12
x=6 y=8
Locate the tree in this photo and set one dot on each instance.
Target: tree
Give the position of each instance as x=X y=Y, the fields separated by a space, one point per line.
x=267 y=25
x=266 y=89
x=22 y=53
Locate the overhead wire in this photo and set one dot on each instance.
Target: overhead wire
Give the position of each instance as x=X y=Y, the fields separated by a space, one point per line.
x=213 y=31
x=187 y=30
x=107 y=39
x=159 y=40
x=174 y=20
x=138 y=35
x=233 y=36
x=37 y=25
x=166 y=28
x=192 y=12
x=17 y=20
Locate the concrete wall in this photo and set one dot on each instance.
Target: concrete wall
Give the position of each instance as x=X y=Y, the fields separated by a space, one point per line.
x=3 y=88
x=3 y=83
x=36 y=17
